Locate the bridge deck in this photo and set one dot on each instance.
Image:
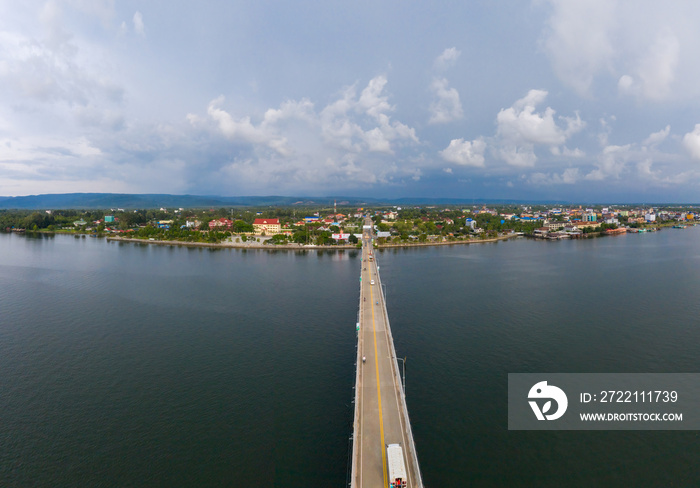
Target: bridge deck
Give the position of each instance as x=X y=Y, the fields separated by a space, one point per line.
x=381 y=417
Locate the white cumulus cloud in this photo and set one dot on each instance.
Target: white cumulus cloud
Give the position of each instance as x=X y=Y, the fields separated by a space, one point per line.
x=447 y=59
x=691 y=142
x=611 y=163
x=347 y=142
x=521 y=127
x=466 y=153
x=522 y=156
x=520 y=123
x=657 y=137
x=243 y=129
x=446 y=107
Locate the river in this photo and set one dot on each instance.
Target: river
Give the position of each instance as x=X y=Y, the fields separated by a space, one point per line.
x=135 y=365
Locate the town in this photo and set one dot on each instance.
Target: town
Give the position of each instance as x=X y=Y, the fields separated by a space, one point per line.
x=336 y=226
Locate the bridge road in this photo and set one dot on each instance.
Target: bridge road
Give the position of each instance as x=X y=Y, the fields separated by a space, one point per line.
x=382 y=419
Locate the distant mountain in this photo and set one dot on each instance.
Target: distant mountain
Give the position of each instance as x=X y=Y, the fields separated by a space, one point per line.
x=131 y=201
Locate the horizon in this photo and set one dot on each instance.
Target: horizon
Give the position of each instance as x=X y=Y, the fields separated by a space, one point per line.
x=543 y=101
x=310 y=200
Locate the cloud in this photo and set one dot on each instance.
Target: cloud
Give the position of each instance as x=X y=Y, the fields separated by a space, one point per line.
x=53 y=80
x=341 y=126
x=566 y=152
x=243 y=129
x=646 y=48
x=611 y=163
x=521 y=156
x=139 y=26
x=466 y=153
x=520 y=123
x=570 y=176
x=520 y=128
x=691 y=142
x=657 y=137
x=578 y=41
x=447 y=59
x=344 y=143
x=655 y=71
x=447 y=106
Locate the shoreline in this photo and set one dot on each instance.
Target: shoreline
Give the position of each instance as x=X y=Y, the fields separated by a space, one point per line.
x=298 y=247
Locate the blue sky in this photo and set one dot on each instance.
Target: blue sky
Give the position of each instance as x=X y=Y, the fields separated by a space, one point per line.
x=539 y=100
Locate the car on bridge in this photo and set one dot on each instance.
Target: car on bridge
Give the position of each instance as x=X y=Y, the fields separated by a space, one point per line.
x=371 y=282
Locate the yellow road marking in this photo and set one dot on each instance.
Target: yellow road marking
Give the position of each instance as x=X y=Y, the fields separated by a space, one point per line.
x=379 y=392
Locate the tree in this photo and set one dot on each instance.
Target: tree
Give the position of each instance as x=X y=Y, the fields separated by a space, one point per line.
x=240 y=226
x=383 y=227
x=278 y=239
x=353 y=239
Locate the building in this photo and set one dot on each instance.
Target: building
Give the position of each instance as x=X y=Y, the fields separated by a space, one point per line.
x=554 y=225
x=589 y=224
x=221 y=224
x=267 y=226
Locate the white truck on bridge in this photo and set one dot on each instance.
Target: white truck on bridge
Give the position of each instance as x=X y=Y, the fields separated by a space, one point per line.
x=397 y=469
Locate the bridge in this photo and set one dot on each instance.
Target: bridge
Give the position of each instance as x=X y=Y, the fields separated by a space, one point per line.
x=381 y=416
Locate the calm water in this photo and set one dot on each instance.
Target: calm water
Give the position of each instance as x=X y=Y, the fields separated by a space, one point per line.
x=137 y=365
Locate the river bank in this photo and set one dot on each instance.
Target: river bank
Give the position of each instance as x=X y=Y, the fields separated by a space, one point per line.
x=297 y=247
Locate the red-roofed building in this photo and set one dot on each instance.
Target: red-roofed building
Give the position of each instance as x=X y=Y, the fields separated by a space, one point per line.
x=267 y=226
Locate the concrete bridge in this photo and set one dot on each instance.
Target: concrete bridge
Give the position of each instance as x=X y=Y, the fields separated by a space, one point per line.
x=381 y=417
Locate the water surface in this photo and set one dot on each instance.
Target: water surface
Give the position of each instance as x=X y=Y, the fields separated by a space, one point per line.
x=138 y=365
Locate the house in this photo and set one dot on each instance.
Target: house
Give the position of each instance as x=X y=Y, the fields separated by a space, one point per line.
x=221 y=223
x=267 y=226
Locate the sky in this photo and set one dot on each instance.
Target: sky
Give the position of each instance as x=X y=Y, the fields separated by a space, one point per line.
x=595 y=101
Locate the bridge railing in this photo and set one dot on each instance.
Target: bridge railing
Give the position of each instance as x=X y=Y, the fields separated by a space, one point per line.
x=356 y=421
x=418 y=480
